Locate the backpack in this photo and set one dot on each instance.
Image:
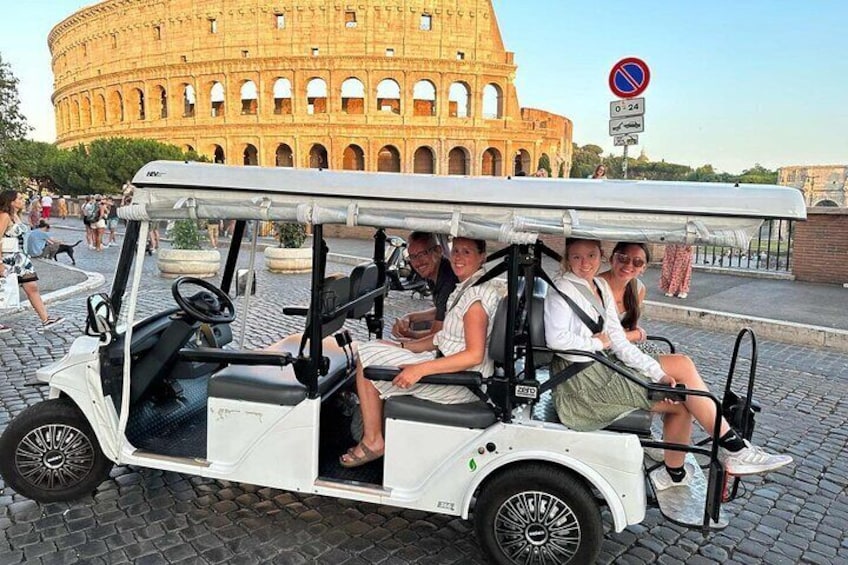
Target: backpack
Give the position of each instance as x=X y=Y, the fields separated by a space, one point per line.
x=90 y=212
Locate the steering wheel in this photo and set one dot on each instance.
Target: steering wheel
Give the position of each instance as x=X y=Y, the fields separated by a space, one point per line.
x=210 y=305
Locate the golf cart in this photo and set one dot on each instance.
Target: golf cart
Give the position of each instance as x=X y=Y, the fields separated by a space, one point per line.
x=172 y=391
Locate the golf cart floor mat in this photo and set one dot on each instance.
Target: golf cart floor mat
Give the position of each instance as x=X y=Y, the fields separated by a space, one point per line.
x=336 y=437
x=684 y=505
x=175 y=427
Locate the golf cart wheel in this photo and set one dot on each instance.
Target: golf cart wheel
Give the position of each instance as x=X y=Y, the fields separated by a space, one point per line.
x=49 y=453
x=538 y=514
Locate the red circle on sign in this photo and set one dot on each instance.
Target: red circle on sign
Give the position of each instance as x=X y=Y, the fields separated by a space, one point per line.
x=629 y=77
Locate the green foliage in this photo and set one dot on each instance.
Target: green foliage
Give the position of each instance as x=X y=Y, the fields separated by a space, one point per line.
x=584 y=161
x=13 y=125
x=561 y=173
x=545 y=163
x=185 y=235
x=290 y=235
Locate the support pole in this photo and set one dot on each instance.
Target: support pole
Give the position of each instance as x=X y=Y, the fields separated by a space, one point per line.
x=624 y=164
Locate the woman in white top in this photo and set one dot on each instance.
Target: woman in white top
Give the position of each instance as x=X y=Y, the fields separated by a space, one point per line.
x=597 y=396
x=627 y=264
x=461 y=345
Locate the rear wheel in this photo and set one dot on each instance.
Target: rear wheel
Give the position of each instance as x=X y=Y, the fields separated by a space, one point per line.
x=536 y=514
x=49 y=453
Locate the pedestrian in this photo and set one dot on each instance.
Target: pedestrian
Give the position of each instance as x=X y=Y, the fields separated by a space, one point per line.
x=34 y=212
x=112 y=222
x=88 y=214
x=541 y=173
x=676 y=270
x=213 y=229
x=62 y=207
x=153 y=237
x=15 y=261
x=46 y=205
x=99 y=224
x=600 y=172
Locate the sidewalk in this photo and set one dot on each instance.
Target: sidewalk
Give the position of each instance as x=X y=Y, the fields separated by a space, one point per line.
x=782 y=310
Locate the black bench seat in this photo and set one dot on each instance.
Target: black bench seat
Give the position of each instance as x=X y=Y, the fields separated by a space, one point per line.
x=473 y=415
x=637 y=422
x=271 y=384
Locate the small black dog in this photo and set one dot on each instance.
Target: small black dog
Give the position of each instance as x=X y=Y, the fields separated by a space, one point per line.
x=50 y=251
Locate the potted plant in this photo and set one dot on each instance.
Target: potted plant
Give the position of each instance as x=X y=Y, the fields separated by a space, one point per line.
x=289 y=256
x=186 y=257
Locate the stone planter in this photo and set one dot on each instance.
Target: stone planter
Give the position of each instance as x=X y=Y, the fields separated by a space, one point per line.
x=286 y=260
x=200 y=263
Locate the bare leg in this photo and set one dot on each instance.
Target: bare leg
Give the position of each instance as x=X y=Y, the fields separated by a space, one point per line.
x=682 y=370
x=371 y=406
x=31 y=291
x=677 y=428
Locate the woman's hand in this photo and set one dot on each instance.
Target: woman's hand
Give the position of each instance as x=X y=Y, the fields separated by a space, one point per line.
x=605 y=339
x=668 y=380
x=409 y=375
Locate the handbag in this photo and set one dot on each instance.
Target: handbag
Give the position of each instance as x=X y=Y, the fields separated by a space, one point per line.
x=10 y=245
x=9 y=295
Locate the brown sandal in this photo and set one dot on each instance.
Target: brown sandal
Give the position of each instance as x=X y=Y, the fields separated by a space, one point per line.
x=355 y=460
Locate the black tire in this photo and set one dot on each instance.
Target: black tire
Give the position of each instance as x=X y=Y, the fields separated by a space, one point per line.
x=537 y=514
x=49 y=453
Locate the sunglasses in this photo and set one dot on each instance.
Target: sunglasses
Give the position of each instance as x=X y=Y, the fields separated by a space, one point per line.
x=625 y=259
x=421 y=254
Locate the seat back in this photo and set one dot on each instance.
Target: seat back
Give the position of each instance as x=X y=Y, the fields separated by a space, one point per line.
x=336 y=293
x=536 y=322
x=364 y=278
x=524 y=319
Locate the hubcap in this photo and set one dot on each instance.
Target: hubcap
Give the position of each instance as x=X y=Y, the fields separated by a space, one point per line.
x=54 y=456
x=537 y=527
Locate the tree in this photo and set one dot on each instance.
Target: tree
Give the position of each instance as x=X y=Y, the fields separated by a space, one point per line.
x=585 y=160
x=13 y=124
x=545 y=163
x=758 y=175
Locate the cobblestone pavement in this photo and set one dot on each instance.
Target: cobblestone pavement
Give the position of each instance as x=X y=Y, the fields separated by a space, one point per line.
x=798 y=514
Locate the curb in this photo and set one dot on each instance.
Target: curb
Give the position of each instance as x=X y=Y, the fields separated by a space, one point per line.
x=93 y=280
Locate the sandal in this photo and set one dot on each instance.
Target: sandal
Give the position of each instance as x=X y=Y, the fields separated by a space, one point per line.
x=358 y=460
x=51 y=322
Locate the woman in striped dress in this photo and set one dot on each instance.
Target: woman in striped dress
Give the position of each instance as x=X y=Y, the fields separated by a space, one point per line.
x=461 y=345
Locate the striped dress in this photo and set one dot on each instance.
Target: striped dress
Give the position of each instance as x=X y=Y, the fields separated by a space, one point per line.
x=450 y=340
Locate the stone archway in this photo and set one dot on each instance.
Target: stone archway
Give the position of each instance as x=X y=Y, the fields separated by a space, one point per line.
x=491 y=165
x=458 y=161
x=424 y=161
x=353 y=158
x=251 y=155
x=284 y=157
x=318 y=157
x=388 y=159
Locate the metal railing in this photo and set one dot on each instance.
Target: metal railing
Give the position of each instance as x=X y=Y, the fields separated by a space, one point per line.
x=770 y=250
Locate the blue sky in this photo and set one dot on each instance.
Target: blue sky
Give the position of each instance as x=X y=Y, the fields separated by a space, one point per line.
x=733 y=82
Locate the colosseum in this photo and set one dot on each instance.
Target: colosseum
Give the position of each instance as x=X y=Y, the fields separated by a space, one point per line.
x=421 y=86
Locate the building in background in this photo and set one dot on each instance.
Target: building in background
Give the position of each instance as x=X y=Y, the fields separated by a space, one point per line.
x=822 y=185
x=393 y=85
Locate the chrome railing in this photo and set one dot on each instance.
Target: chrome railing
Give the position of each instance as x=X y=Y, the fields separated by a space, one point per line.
x=770 y=250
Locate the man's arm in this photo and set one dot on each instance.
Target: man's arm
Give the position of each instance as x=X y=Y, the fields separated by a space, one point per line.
x=403 y=326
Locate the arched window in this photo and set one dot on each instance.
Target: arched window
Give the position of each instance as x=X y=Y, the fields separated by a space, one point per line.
x=316 y=96
x=284 y=156
x=216 y=95
x=388 y=160
x=827 y=203
x=116 y=107
x=353 y=97
x=458 y=161
x=522 y=163
x=85 y=112
x=459 y=100
x=251 y=155
x=282 y=96
x=492 y=102
x=188 y=148
x=189 y=100
x=318 y=157
x=353 y=158
x=249 y=97
x=424 y=98
x=162 y=97
x=218 y=154
x=99 y=117
x=424 y=161
x=388 y=96
x=75 y=115
x=491 y=163
x=138 y=100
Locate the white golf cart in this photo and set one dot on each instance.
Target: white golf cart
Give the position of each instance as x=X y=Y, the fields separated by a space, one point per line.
x=171 y=392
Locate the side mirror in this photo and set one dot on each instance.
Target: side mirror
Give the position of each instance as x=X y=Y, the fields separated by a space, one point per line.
x=241 y=282
x=101 y=318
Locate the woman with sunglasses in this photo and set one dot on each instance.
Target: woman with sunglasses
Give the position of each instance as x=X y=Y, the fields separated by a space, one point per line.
x=597 y=396
x=628 y=263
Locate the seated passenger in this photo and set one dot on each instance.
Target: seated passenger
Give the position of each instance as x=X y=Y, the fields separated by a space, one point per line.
x=425 y=256
x=461 y=345
x=628 y=262
x=597 y=396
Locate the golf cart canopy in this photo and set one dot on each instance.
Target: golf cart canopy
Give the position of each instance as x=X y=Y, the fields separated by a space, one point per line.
x=511 y=210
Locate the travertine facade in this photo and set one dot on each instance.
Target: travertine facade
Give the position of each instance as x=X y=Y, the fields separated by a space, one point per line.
x=822 y=185
x=394 y=85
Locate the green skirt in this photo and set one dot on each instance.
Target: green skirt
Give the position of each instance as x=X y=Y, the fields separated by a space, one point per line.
x=596 y=396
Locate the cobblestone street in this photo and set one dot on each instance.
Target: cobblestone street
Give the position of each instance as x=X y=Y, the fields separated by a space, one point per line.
x=797 y=514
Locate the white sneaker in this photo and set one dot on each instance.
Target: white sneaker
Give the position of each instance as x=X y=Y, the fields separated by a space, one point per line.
x=670 y=295
x=682 y=295
x=751 y=460
x=662 y=480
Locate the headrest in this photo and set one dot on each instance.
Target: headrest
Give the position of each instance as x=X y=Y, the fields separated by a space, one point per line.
x=336 y=293
x=363 y=279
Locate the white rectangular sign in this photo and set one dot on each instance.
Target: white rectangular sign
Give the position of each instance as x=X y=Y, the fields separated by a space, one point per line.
x=625 y=108
x=625 y=139
x=633 y=124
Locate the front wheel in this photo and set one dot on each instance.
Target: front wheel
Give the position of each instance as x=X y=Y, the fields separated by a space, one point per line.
x=540 y=515
x=49 y=453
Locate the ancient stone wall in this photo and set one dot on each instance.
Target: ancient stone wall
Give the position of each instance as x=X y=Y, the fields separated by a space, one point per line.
x=398 y=85
x=822 y=185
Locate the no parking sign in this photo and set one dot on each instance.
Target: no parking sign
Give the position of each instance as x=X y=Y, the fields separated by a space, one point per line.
x=629 y=77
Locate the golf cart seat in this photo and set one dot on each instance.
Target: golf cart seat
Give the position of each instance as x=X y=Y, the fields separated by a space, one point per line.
x=274 y=384
x=637 y=422
x=270 y=384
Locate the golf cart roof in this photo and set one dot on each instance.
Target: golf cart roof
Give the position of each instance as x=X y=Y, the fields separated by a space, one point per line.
x=512 y=210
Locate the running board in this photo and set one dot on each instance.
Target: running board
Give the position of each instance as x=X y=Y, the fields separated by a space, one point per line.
x=193 y=461
x=685 y=505
x=353 y=486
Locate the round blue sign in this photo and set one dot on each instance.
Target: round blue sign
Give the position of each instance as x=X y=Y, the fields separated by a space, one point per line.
x=629 y=77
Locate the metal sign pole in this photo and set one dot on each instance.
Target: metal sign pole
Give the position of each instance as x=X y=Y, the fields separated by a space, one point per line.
x=624 y=164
